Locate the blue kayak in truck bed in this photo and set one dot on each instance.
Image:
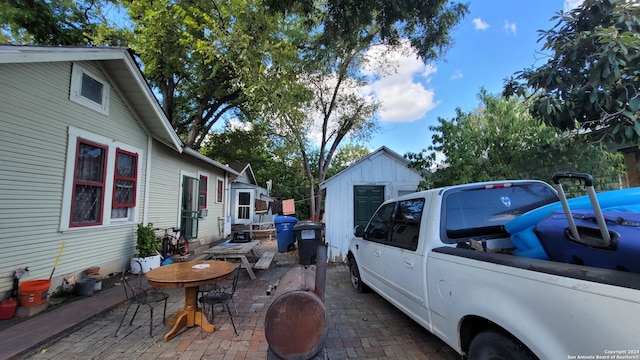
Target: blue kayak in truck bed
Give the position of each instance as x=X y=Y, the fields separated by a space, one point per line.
x=521 y=228
x=621 y=251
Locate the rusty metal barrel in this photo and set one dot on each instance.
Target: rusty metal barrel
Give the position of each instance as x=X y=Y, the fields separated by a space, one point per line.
x=296 y=323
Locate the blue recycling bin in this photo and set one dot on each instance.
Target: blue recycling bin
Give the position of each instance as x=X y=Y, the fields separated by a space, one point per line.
x=284 y=232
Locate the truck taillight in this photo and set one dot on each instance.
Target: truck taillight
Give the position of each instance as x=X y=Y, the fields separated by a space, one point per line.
x=497 y=186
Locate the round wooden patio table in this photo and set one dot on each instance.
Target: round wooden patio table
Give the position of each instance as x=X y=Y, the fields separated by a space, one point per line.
x=189 y=275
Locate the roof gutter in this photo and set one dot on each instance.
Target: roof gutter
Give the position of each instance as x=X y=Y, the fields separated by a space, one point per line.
x=189 y=151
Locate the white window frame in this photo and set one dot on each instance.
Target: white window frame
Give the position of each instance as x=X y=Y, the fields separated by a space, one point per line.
x=76 y=87
x=112 y=145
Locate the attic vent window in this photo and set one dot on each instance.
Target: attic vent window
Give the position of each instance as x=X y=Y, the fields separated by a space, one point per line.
x=89 y=89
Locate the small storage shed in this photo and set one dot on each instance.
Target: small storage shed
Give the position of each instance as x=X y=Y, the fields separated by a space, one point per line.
x=250 y=202
x=354 y=194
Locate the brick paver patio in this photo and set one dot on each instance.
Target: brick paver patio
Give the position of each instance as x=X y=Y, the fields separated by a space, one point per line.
x=362 y=326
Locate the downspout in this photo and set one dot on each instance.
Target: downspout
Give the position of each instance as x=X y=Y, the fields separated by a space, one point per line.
x=147 y=181
x=227 y=205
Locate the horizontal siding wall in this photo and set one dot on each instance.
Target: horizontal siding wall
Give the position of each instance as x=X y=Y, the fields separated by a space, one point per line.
x=35 y=114
x=379 y=170
x=165 y=191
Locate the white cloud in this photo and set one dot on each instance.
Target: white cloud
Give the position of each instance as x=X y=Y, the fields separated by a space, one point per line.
x=456 y=75
x=571 y=4
x=480 y=24
x=510 y=27
x=398 y=82
x=403 y=93
x=234 y=124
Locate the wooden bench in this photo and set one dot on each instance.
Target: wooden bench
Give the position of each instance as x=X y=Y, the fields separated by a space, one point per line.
x=265 y=260
x=262 y=229
x=263 y=232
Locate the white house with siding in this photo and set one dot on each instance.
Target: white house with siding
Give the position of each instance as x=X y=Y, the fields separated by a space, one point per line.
x=86 y=153
x=354 y=194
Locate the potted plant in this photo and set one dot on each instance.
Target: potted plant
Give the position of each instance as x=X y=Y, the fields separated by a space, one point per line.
x=147 y=245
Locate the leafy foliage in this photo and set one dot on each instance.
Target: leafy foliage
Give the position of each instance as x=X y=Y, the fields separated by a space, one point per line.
x=254 y=144
x=210 y=60
x=334 y=108
x=425 y=23
x=593 y=75
x=244 y=144
x=500 y=140
x=59 y=22
x=346 y=156
x=147 y=243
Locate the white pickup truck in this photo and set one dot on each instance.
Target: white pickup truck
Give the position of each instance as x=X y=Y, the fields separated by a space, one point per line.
x=437 y=256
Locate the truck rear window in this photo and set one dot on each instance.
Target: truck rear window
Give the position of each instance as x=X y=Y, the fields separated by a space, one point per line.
x=480 y=212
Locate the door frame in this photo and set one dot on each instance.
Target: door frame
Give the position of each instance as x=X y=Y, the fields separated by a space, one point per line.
x=188 y=215
x=251 y=206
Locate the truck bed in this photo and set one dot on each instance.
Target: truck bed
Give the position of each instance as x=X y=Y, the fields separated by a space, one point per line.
x=580 y=272
x=557 y=310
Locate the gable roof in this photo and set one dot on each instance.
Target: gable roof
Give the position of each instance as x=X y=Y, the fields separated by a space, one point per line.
x=123 y=71
x=244 y=168
x=127 y=79
x=383 y=150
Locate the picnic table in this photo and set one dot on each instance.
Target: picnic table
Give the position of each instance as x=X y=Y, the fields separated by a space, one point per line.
x=240 y=250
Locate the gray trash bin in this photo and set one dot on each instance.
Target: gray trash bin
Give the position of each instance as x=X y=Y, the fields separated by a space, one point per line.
x=308 y=234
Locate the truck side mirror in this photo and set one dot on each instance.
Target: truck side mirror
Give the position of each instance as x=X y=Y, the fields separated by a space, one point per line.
x=358 y=231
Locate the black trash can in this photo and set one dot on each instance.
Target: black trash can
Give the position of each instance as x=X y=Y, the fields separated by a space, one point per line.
x=308 y=234
x=284 y=232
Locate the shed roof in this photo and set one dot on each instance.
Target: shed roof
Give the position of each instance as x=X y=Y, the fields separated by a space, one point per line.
x=382 y=150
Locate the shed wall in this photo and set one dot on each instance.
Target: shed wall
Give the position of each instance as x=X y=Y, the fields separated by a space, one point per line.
x=379 y=170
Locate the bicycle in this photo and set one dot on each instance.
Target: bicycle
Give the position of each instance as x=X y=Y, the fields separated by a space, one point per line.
x=172 y=244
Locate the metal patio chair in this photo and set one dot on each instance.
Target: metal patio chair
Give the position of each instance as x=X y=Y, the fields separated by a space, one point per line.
x=222 y=295
x=137 y=295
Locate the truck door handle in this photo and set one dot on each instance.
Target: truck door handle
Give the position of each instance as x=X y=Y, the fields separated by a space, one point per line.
x=377 y=253
x=408 y=263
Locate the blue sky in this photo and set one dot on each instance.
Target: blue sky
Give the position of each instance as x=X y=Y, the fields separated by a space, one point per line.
x=496 y=39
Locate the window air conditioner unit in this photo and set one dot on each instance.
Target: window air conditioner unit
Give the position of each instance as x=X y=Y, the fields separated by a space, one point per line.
x=203 y=213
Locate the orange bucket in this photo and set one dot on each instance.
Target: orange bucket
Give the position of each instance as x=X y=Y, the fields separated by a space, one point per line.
x=33 y=292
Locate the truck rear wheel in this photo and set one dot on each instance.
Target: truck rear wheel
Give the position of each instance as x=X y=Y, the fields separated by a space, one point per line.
x=356 y=281
x=494 y=345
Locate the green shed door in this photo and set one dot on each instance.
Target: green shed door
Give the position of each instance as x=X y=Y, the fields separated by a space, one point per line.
x=366 y=200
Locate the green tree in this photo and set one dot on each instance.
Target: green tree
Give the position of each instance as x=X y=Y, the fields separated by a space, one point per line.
x=338 y=111
x=269 y=159
x=592 y=77
x=211 y=60
x=426 y=24
x=240 y=143
x=61 y=22
x=345 y=157
x=501 y=140
x=335 y=112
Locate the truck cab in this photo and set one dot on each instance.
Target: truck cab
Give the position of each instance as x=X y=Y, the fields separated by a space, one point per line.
x=390 y=254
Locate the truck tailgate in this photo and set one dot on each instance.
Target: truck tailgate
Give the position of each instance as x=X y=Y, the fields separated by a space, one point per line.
x=557 y=310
